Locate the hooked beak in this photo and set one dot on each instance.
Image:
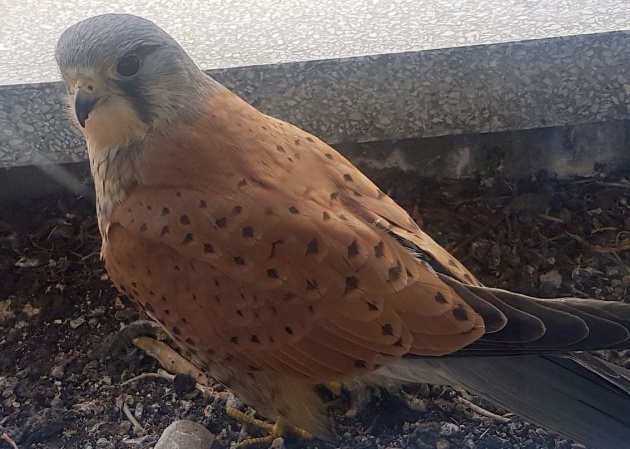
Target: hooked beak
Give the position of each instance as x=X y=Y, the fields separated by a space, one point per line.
x=84 y=104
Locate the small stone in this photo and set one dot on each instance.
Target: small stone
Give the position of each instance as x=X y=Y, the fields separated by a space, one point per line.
x=77 y=322
x=185 y=434
x=277 y=443
x=612 y=271
x=553 y=278
x=424 y=435
x=442 y=444
x=417 y=404
x=138 y=411
x=233 y=401
x=104 y=443
x=26 y=127
x=58 y=371
x=97 y=311
x=449 y=429
x=225 y=396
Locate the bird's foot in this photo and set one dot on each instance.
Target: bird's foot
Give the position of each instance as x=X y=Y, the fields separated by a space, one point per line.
x=173 y=362
x=275 y=430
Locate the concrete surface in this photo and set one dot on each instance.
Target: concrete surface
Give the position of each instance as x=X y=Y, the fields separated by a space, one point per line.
x=400 y=69
x=221 y=34
x=486 y=88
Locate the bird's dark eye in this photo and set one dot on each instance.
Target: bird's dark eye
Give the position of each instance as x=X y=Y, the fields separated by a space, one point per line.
x=128 y=66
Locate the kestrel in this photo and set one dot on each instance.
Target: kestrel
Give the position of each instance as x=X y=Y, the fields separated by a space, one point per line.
x=276 y=265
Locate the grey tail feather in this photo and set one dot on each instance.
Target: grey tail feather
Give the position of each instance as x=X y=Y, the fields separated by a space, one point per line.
x=579 y=396
x=518 y=324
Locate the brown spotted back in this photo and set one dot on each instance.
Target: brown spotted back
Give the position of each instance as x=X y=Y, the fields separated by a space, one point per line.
x=269 y=250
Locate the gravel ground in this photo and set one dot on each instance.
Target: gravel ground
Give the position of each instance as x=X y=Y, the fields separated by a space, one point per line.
x=540 y=236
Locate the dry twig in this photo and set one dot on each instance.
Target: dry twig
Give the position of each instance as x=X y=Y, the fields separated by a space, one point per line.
x=204 y=389
x=8 y=439
x=137 y=427
x=169 y=358
x=483 y=411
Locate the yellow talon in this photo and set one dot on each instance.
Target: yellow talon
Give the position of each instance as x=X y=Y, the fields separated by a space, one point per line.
x=252 y=441
x=247 y=419
x=275 y=430
x=334 y=387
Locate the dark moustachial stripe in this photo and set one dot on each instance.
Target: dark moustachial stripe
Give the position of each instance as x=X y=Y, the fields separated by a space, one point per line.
x=138 y=99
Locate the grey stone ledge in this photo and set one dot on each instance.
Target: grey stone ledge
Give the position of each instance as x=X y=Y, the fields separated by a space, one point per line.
x=477 y=89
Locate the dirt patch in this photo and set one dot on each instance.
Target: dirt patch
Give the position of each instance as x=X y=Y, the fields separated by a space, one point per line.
x=542 y=237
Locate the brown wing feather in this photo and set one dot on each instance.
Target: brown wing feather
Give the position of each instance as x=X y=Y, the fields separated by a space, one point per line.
x=267 y=275
x=366 y=200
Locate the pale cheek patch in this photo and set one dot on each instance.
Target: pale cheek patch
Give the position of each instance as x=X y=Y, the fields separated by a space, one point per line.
x=72 y=116
x=113 y=124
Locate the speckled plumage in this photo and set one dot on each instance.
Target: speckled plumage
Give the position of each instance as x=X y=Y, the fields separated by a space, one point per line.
x=276 y=264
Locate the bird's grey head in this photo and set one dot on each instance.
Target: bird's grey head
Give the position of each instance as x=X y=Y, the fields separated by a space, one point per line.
x=127 y=76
